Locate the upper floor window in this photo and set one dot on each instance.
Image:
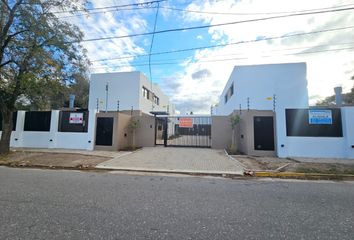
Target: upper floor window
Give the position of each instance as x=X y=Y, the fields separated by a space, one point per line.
x=156 y=100
x=229 y=93
x=146 y=93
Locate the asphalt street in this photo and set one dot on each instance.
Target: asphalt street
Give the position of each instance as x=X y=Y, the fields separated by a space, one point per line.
x=58 y=204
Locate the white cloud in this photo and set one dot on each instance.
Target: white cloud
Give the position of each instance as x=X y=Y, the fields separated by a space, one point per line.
x=325 y=70
x=200 y=37
x=113 y=23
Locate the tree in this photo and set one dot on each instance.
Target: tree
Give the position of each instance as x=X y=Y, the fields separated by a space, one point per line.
x=133 y=126
x=347 y=98
x=81 y=91
x=38 y=52
x=234 y=120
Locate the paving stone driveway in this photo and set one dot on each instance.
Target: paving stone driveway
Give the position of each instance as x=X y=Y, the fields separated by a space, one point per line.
x=173 y=159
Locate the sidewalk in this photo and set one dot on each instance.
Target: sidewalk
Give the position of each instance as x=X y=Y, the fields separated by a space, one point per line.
x=98 y=153
x=176 y=160
x=202 y=161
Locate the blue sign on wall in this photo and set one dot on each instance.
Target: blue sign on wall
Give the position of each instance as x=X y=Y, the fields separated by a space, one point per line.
x=320 y=116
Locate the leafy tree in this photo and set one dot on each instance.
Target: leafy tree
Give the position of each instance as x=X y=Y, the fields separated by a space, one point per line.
x=133 y=126
x=38 y=53
x=347 y=98
x=81 y=91
x=234 y=120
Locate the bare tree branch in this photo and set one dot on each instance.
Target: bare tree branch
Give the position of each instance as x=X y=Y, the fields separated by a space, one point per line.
x=5 y=63
x=6 y=4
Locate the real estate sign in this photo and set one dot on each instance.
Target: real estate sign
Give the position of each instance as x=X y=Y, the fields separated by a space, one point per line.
x=186 y=122
x=320 y=116
x=76 y=118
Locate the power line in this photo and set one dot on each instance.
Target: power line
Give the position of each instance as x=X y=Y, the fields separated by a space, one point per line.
x=227 y=44
x=151 y=45
x=254 y=13
x=119 y=8
x=114 y=7
x=216 y=25
x=234 y=54
x=152 y=40
x=229 y=59
x=107 y=11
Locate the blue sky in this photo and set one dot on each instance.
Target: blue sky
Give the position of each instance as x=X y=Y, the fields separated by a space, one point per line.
x=195 y=80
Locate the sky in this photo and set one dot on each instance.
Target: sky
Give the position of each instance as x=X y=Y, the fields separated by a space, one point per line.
x=194 y=79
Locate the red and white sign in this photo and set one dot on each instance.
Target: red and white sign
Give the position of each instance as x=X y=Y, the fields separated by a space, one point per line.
x=186 y=122
x=76 y=118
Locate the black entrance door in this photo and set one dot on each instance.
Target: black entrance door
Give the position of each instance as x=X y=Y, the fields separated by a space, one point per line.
x=104 y=131
x=263 y=133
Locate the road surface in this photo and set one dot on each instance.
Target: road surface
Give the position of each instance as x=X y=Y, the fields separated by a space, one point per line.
x=57 y=204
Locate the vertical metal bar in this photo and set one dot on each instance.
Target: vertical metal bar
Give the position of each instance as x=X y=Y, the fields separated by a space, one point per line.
x=155 y=128
x=165 y=132
x=106 y=96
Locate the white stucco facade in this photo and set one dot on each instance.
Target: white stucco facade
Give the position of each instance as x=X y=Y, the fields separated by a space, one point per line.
x=255 y=85
x=127 y=88
x=317 y=147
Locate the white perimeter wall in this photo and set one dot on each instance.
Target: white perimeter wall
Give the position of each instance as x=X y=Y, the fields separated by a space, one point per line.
x=316 y=147
x=53 y=138
x=259 y=82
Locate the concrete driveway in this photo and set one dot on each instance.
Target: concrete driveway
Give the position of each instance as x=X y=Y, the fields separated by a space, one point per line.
x=175 y=159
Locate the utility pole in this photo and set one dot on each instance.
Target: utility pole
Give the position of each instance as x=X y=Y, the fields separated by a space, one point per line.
x=274 y=102
x=117 y=105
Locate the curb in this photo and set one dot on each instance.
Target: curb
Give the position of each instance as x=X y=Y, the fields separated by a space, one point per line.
x=102 y=169
x=235 y=160
x=318 y=176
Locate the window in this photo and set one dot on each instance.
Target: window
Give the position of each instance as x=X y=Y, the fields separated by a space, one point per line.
x=156 y=100
x=37 y=121
x=146 y=93
x=229 y=93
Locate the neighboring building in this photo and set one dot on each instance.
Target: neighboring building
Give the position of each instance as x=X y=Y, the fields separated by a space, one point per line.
x=131 y=89
x=275 y=118
x=254 y=86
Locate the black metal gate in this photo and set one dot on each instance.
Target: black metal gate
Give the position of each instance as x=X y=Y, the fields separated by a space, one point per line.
x=263 y=133
x=104 y=131
x=183 y=131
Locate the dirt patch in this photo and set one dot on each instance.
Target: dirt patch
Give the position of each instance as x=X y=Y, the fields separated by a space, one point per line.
x=290 y=165
x=51 y=160
x=262 y=163
x=327 y=168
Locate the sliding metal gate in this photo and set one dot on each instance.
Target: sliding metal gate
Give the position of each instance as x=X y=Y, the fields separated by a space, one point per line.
x=183 y=131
